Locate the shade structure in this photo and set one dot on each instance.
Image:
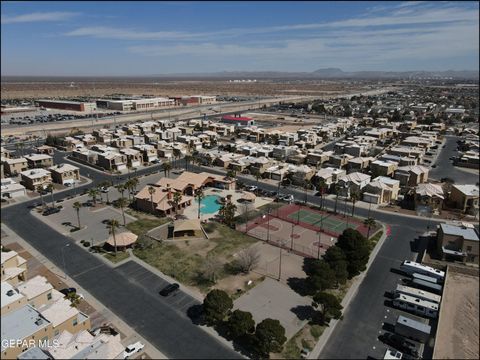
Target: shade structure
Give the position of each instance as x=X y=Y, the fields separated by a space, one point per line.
x=187 y=225
x=125 y=238
x=248 y=196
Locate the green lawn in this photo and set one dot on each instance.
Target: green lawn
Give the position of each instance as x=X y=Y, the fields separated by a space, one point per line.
x=115 y=259
x=142 y=226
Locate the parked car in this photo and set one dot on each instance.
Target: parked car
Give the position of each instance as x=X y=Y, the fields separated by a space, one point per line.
x=67 y=291
x=169 y=289
x=252 y=188
x=399 y=343
x=50 y=211
x=104 y=189
x=132 y=349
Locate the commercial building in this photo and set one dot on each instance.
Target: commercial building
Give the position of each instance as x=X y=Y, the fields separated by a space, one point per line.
x=458 y=242
x=66 y=105
x=136 y=104
x=238 y=120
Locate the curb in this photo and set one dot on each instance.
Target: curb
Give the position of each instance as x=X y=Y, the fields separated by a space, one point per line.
x=315 y=353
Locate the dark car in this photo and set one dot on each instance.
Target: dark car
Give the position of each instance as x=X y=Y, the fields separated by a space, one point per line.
x=50 y=211
x=399 y=343
x=169 y=289
x=67 y=291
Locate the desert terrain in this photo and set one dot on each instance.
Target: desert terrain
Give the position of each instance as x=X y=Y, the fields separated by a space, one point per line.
x=23 y=88
x=458 y=328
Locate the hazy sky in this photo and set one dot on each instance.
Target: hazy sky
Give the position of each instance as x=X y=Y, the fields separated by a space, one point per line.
x=142 y=38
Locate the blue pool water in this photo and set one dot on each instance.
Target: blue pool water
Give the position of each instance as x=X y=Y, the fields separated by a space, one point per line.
x=209 y=204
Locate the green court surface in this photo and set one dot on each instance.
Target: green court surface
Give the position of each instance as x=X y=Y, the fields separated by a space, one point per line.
x=316 y=220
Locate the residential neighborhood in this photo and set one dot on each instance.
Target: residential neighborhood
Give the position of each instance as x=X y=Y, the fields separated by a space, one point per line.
x=184 y=180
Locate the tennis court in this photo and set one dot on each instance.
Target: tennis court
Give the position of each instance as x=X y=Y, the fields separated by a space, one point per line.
x=323 y=221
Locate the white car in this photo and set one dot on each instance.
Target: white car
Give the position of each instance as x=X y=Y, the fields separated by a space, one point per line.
x=252 y=188
x=132 y=349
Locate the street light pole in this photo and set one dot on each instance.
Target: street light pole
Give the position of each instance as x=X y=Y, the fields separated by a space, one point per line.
x=291 y=237
x=268 y=224
x=63 y=259
x=280 y=262
x=318 y=247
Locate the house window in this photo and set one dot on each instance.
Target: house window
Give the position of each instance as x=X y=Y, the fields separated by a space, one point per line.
x=75 y=322
x=469 y=248
x=49 y=296
x=57 y=332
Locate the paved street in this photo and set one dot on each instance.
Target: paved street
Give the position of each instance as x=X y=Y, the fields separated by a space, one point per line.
x=445 y=166
x=153 y=317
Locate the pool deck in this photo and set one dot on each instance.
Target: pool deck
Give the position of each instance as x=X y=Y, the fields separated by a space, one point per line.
x=191 y=212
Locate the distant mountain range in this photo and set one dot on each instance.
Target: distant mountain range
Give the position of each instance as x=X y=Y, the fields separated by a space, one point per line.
x=327 y=74
x=331 y=73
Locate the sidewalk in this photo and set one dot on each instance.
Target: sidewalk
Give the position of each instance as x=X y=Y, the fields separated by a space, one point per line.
x=193 y=293
x=130 y=335
x=315 y=353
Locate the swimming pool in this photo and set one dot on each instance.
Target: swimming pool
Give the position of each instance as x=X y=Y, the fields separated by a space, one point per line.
x=209 y=204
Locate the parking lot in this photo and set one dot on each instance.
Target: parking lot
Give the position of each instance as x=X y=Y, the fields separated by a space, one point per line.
x=387 y=327
x=91 y=220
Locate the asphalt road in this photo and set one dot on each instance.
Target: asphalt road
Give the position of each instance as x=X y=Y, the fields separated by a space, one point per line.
x=166 y=325
x=356 y=336
x=130 y=291
x=445 y=166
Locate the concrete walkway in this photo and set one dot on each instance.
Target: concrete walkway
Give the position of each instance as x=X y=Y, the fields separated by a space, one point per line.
x=352 y=291
x=130 y=335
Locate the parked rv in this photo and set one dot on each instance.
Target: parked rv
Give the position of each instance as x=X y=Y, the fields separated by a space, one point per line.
x=412 y=329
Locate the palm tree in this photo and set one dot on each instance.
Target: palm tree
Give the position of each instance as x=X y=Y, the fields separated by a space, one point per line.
x=354 y=198
x=167 y=166
x=50 y=189
x=93 y=194
x=106 y=184
x=151 y=191
x=232 y=174
x=176 y=155
x=188 y=158
x=134 y=181
x=77 y=206
x=40 y=191
x=306 y=186
x=199 y=196
x=227 y=211
x=369 y=223
x=112 y=225
x=177 y=197
x=337 y=192
x=120 y=188
x=257 y=175
x=129 y=186
x=122 y=203
x=322 y=186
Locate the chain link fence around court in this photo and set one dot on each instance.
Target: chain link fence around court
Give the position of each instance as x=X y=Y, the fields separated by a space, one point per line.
x=315 y=220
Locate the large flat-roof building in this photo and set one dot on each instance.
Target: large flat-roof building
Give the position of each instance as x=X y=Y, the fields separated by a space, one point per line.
x=458 y=242
x=238 y=120
x=67 y=105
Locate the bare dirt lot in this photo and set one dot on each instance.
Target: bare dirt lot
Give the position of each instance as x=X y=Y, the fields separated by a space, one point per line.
x=458 y=328
x=27 y=88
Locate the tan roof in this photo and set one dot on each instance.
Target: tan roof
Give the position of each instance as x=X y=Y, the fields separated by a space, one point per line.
x=430 y=190
x=59 y=311
x=35 y=287
x=184 y=225
x=248 y=196
x=124 y=238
